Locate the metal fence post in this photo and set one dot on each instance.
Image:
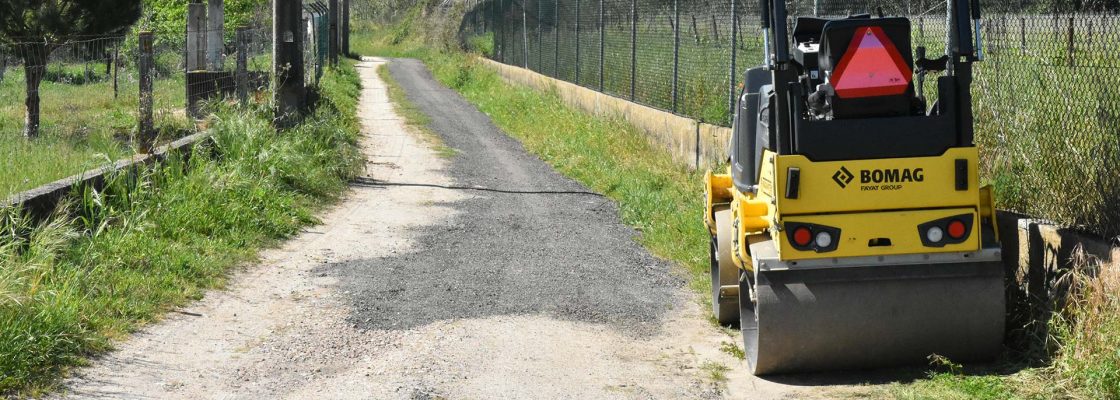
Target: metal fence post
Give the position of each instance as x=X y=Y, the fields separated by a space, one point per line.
x=556 y=31
x=145 y=131
x=633 y=49
x=525 y=35
x=499 y=32
x=732 y=76
x=540 y=39
x=332 y=45
x=602 y=45
x=243 y=64
x=577 y=41
x=676 y=52
x=287 y=61
x=1071 y=45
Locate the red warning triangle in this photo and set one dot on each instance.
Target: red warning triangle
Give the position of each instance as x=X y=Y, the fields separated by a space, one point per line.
x=871 y=67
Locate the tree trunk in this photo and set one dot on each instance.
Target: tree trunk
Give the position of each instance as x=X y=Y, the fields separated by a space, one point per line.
x=34 y=67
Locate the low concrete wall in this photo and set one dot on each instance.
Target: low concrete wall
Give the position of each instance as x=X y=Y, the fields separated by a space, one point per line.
x=40 y=202
x=692 y=143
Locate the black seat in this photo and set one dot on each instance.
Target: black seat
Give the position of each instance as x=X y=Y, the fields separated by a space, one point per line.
x=837 y=36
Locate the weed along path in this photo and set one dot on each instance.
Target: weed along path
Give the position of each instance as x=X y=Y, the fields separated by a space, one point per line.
x=478 y=273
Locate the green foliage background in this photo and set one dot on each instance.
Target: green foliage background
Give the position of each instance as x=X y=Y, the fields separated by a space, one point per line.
x=168 y=18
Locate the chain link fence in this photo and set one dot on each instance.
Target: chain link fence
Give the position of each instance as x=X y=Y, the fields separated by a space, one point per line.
x=1047 y=96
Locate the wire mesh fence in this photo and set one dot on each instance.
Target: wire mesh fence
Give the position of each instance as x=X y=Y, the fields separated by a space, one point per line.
x=84 y=98
x=1047 y=96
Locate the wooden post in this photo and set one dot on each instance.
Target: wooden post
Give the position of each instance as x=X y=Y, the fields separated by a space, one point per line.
x=215 y=34
x=243 y=64
x=196 y=36
x=332 y=46
x=146 y=130
x=287 y=61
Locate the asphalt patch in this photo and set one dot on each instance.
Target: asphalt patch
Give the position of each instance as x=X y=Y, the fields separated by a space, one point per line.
x=528 y=241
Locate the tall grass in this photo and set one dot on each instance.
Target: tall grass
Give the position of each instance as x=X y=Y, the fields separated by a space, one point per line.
x=1087 y=363
x=113 y=260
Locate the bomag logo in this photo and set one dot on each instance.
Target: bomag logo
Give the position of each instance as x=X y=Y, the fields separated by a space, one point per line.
x=843 y=177
x=891 y=175
x=879 y=179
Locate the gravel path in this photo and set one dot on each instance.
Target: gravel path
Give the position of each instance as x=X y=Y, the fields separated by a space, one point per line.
x=485 y=275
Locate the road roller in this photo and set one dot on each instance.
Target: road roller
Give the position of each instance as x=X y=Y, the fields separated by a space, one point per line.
x=851 y=229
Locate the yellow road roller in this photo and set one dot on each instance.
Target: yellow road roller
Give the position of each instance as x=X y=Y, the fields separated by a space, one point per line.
x=850 y=229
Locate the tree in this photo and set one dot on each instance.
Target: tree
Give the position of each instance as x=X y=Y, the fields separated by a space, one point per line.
x=35 y=28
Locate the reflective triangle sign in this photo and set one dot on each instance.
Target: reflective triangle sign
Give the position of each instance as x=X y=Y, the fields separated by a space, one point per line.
x=871 y=67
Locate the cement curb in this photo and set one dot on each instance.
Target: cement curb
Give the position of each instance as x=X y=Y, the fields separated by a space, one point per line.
x=40 y=202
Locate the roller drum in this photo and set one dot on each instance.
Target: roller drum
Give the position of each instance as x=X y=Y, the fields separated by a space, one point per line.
x=872 y=316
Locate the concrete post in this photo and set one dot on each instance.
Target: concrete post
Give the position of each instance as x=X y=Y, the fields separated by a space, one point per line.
x=346 y=27
x=287 y=61
x=243 y=65
x=215 y=34
x=332 y=46
x=146 y=130
x=196 y=36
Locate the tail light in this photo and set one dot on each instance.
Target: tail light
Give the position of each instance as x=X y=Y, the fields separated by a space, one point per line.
x=812 y=237
x=802 y=236
x=946 y=231
x=956 y=229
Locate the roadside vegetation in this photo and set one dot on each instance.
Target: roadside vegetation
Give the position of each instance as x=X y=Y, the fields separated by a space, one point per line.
x=1077 y=358
x=111 y=261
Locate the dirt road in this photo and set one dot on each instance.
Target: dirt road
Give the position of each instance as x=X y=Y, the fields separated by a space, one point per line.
x=482 y=275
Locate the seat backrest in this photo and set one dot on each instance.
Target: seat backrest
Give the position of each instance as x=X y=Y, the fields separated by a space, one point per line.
x=870 y=65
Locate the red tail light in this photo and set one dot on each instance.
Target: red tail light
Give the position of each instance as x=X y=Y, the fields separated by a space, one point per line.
x=802 y=236
x=871 y=67
x=956 y=229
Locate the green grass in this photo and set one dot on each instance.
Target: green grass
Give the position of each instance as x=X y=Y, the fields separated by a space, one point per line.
x=114 y=260
x=83 y=126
